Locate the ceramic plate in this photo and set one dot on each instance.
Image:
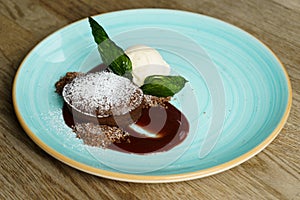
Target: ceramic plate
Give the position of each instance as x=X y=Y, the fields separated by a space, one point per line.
x=237 y=99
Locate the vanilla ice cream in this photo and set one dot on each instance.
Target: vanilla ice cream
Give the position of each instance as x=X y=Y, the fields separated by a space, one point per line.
x=146 y=61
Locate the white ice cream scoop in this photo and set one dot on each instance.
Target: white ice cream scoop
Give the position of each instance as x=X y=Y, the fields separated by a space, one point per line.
x=146 y=61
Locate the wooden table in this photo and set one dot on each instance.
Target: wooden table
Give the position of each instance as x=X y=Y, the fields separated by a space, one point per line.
x=27 y=172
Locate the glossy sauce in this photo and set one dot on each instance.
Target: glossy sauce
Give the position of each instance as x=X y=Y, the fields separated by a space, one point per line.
x=166 y=127
x=162 y=136
x=166 y=133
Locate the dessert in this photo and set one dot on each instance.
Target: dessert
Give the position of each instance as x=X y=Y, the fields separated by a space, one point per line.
x=126 y=105
x=146 y=61
x=112 y=99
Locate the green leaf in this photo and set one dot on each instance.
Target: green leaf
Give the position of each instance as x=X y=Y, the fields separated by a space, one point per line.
x=163 y=86
x=112 y=55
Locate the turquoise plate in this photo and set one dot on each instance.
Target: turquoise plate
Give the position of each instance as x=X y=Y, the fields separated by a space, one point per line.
x=237 y=99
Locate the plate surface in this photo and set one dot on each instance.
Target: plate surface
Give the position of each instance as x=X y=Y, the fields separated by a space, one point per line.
x=257 y=95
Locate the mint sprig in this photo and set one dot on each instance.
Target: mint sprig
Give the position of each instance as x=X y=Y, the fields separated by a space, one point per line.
x=112 y=55
x=163 y=86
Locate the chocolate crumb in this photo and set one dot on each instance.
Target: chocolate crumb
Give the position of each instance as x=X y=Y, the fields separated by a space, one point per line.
x=152 y=101
x=100 y=135
x=59 y=85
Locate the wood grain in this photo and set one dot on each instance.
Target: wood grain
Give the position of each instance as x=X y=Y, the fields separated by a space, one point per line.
x=27 y=172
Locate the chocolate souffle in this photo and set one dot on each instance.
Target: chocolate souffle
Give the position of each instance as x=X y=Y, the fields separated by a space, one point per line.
x=101 y=97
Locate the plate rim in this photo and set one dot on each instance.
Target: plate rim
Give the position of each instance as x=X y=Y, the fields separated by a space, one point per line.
x=159 y=178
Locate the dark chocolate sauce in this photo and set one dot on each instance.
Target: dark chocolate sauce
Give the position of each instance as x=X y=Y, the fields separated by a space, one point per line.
x=166 y=127
x=166 y=133
x=68 y=117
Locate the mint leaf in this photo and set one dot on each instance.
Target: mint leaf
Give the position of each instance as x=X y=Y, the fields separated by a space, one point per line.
x=112 y=55
x=163 y=86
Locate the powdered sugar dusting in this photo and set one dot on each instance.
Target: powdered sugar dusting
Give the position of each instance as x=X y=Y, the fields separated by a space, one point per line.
x=56 y=129
x=102 y=94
